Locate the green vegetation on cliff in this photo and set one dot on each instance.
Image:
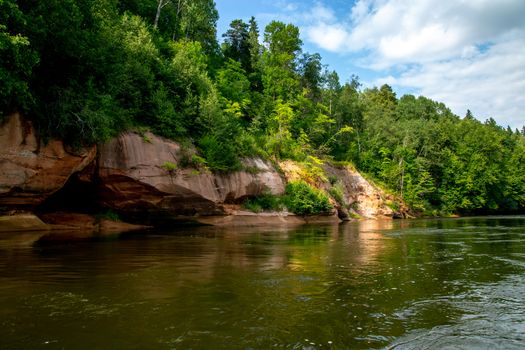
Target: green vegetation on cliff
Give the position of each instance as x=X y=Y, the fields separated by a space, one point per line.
x=85 y=70
x=299 y=198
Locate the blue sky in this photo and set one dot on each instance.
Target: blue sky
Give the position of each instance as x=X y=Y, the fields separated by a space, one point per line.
x=467 y=54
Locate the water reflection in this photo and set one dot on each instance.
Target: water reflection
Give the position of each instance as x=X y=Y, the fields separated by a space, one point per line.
x=399 y=284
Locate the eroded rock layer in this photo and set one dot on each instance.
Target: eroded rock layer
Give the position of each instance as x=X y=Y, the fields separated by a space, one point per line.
x=138 y=173
x=31 y=169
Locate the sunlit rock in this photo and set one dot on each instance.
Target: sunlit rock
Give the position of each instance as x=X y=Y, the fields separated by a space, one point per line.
x=31 y=169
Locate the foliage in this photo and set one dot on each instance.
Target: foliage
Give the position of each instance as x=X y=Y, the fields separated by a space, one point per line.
x=169 y=167
x=264 y=202
x=303 y=199
x=180 y=19
x=300 y=198
x=17 y=59
x=337 y=193
x=108 y=215
x=220 y=155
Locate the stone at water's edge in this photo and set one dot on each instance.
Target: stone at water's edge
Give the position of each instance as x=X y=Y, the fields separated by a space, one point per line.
x=59 y=226
x=77 y=225
x=23 y=222
x=134 y=178
x=30 y=169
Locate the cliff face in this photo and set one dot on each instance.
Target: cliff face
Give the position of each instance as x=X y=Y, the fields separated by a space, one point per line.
x=359 y=196
x=143 y=179
x=137 y=175
x=31 y=170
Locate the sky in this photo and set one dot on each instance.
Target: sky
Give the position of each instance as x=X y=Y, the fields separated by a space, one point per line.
x=468 y=54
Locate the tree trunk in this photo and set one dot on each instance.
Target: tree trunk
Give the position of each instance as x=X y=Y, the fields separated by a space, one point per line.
x=157 y=15
x=161 y=4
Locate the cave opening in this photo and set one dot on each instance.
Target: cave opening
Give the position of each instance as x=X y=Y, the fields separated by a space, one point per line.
x=78 y=195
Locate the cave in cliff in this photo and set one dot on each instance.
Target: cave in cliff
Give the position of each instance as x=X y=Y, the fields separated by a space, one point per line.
x=78 y=195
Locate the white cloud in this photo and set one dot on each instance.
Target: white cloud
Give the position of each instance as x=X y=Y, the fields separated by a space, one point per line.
x=328 y=37
x=467 y=54
x=320 y=13
x=490 y=84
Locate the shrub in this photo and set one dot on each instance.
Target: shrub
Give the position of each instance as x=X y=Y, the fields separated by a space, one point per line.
x=198 y=161
x=108 y=215
x=312 y=170
x=303 y=199
x=220 y=155
x=263 y=202
x=336 y=192
x=169 y=166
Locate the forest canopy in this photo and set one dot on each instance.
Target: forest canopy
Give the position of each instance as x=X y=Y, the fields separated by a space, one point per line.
x=85 y=70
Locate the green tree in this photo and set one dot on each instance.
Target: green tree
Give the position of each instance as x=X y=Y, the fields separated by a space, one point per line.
x=280 y=79
x=234 y=87
x=255 y=48
x=17 y=59
x=310 y=70
x=236 y=44
x=193 y=20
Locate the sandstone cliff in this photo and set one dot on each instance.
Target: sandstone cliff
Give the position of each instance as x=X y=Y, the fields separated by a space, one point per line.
x=145 y=178
x=30 y=169
x=358 y=196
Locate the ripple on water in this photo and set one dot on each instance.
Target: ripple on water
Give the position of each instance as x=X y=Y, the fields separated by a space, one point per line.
x=491 y=317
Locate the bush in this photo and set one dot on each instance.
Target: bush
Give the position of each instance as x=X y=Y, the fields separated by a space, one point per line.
x=337 y=194
x=266 y=201
x=108 y=215
x=169 y=167
x=220 y=156
x=303 y=199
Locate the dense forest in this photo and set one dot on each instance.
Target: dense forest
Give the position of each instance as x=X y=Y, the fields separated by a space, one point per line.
x=85 y=70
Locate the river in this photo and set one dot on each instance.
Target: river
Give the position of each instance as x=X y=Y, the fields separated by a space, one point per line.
x=417 y=284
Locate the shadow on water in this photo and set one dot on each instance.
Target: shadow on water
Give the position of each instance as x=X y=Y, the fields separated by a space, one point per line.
x=372 y=284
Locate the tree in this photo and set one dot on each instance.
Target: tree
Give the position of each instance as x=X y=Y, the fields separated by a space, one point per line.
x=332 y=87
x=161 y=4
x=17 y=59
x=280 y=79
x=253 y=43
x=469 y=115
x=310 y=69
x=188 y=19
x=236 y=43
x=282 y=41
x=347 y=110
x=234 y=87
x=199 y=23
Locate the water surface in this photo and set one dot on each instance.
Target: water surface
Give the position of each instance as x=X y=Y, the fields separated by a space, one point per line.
x=421 y=284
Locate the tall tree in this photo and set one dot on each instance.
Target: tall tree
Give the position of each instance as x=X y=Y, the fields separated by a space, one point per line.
x=17 y=59
x=280 y=78
x=236 y=43
x=194 y=20
x=199 y=23
x=255 y=48
x=161 y=4
x=283 y=42
x=310 y=69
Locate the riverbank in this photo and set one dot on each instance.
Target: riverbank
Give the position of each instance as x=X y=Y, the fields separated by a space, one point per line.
x=148 y=180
